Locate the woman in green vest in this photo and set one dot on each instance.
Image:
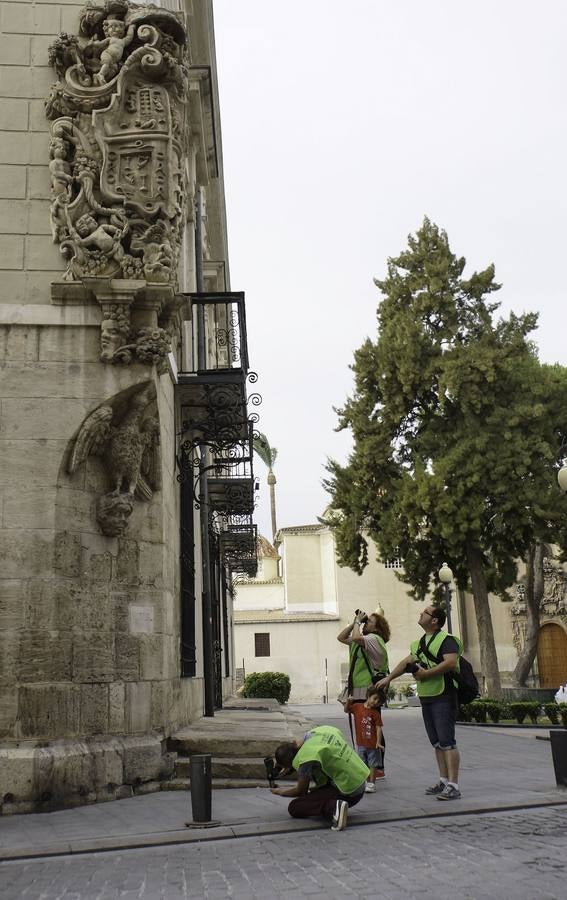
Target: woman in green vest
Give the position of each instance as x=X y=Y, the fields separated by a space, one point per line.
x=366 y=640
x=323 y=756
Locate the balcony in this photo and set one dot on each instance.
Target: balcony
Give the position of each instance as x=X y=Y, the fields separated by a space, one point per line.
x=238 y=541
x=211 y=388
x=231 y=484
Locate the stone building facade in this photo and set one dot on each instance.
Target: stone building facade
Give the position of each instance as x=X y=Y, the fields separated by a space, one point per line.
x=110 y=147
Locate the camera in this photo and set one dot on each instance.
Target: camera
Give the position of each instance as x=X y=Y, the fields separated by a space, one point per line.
x=361 y=616
x=413 y=667
x=273 y=771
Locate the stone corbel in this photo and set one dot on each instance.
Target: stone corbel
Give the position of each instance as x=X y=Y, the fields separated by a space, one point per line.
x=130 y=328
x=138 y=319
x=116 y=297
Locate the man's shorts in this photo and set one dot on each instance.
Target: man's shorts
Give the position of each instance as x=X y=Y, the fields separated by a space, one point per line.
x=439 y=717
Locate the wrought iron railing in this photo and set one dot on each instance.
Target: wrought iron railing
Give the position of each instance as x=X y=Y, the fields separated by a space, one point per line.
x=238 y=542
x=231 y=484
x=217 y=334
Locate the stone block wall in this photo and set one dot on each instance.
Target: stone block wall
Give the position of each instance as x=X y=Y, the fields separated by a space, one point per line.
x=90 y=683
x=29 y=260
x=90 y=624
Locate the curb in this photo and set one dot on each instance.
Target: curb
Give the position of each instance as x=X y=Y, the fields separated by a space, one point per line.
x=511 y=725
x=246 y=829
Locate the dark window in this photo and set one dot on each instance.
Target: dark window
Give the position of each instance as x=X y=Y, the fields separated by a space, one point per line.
x=262 y=644
x=187 y=561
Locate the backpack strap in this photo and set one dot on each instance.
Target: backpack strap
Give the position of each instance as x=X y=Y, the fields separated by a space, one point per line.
x=424 y=649
x=351 y=668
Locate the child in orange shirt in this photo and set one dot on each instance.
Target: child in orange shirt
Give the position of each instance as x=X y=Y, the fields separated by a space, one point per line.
x=368 y=731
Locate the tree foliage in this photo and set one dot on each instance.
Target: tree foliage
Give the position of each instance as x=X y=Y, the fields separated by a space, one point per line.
x=456 y=427
x=265 y=451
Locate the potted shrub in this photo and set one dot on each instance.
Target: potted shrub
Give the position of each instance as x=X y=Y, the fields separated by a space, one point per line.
x=519 y=711
x=478 y=711
x=494 y=710
x=267 y=684
x=552 y=712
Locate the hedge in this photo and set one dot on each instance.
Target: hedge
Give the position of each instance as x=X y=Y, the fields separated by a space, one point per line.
x=480 y=710
x=267 y=684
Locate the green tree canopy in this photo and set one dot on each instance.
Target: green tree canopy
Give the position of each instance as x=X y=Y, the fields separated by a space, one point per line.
x=455 y=426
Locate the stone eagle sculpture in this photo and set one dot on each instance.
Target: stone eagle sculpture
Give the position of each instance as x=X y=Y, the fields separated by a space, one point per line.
x=125 y=434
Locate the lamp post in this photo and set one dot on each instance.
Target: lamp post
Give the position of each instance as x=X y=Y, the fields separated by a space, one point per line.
x=562 y=477
x=446 y=577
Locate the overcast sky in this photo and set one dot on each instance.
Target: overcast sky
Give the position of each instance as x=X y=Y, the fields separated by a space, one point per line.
x=343 y=125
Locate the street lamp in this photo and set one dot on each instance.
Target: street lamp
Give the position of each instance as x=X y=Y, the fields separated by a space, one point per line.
x=446 y=577
x=562 y=477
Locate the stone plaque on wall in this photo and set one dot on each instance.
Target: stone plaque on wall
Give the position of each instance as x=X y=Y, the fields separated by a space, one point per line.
x=141 y=619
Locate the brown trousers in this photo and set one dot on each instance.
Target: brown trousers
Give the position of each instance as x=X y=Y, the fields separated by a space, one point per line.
x=320 y=801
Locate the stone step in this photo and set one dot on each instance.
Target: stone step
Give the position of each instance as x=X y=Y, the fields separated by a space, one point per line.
x=184 y=784
x=221 y=743
x=226 y=767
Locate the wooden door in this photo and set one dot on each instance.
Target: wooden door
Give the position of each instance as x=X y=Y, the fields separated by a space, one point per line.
x=552 y=656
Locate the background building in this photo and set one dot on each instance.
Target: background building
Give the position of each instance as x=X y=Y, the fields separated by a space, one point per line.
x=290 y=623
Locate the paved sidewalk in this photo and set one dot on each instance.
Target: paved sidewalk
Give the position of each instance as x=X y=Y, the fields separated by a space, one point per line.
x=500 y=770
x=492 y=856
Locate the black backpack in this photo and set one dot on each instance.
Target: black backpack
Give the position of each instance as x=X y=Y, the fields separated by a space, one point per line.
x=465 y=680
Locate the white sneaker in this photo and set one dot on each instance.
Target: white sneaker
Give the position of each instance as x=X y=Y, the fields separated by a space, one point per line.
x=340 y=817
x=370 y=788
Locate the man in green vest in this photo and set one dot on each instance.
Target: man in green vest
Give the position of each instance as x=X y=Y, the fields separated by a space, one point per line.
x=432 y=660
x=323 y=756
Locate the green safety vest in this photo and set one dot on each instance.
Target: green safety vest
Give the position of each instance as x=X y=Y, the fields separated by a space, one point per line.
x=338 y=761
x=361 y=677
x=432 y=687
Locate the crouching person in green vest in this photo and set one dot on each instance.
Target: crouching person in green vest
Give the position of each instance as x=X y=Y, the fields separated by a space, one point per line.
x=323 y=756
x=432 y=660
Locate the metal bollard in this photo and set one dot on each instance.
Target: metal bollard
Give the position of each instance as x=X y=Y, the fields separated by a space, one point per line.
x=559 y=755
x=201 y=789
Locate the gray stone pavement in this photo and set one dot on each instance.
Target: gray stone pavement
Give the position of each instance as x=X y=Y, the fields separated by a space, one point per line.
x=501 y=770
x=483 y=857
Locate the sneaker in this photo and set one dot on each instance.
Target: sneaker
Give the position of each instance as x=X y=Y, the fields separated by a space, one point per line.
x=340 y=817
x=435 y=788
x=449 y=793
x=379 y=773
x=370 y=788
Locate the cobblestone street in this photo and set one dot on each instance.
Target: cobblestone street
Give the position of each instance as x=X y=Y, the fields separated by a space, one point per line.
x=521 y=855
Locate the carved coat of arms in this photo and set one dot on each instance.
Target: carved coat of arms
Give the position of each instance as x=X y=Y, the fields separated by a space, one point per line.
x=117 y=137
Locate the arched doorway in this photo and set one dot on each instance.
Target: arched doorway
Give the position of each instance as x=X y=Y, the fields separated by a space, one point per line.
x=552 y=656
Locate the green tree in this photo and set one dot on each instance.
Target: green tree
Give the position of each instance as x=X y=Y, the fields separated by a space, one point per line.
x=454 y=447
x=268 y=455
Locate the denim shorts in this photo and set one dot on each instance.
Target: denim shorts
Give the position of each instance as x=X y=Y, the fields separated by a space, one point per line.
x=372 y=756
x=439 y=717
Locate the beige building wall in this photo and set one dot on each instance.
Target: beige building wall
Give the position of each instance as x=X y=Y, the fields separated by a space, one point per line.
x=302 y=555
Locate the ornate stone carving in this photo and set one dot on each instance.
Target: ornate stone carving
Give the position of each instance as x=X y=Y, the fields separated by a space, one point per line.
x=120 y=343
x=118 y=139
x=124 y=432
x=113 y=512
x=555 y=589
x=553 y=604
